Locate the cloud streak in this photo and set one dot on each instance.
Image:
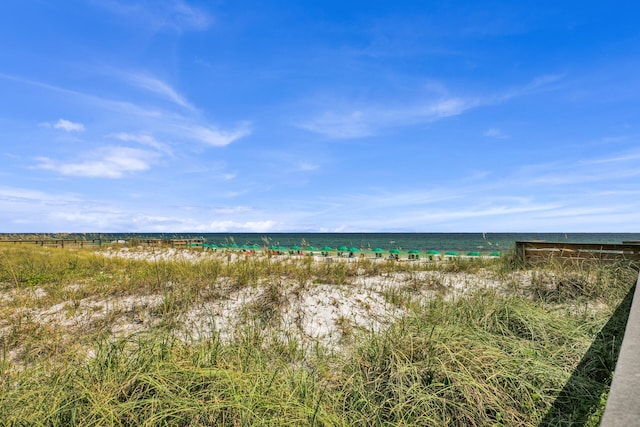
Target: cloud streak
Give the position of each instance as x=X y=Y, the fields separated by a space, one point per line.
x=605 y=170
x=142 y=138
x=215 y=137
x=65 y=125
x=174 y=126
x=248 y=226
x=106 y=162
x=159 y=87
x=495 y=133
x=158 y=15
x=368 y=119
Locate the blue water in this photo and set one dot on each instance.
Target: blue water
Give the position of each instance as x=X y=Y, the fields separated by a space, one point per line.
x=482 y=242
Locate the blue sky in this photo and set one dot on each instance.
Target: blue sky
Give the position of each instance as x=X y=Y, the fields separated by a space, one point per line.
x=267 y=116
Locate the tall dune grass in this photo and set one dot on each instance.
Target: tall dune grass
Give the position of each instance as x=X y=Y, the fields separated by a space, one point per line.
x=487 y=357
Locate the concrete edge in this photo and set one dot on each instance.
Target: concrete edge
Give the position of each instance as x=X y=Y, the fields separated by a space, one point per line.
x=623 y=403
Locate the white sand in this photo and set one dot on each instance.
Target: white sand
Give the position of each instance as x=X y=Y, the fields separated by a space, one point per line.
x=314 y=313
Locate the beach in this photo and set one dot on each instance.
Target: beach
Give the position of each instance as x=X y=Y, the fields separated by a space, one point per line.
x=314 y=312
x=128 y=334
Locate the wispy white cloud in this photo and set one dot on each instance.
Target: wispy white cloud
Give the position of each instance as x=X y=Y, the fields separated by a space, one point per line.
x=65 y=125
x=367 y=121
x=353 y=124
x=232 y=194
x=446 y=107
x=304 y=166
x=541 y=81
x=216 y=137
x=398 y=200
x=368 y=118
x=485 y=213
x=157 y=86
x=248 y=226
x=106 y=162
x=615 y=193
x=479 y=210
x=15 y=194
x=142 y=138
x=173 y=15
x=69 y=126
x=188 y=17
x=174 y=126
x=91 y=100
x=472 y=216
x=495 y=133
x=25 y=210
x=230 y=210
x=618 y=158
x=603 y=170
x=609 y=140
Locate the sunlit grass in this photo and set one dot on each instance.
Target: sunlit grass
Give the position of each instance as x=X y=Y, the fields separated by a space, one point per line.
x=489 y=356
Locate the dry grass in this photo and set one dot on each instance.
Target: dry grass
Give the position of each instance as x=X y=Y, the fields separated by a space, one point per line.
x=181 y=338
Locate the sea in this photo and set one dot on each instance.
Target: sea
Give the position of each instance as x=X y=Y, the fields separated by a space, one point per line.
x=462 y=242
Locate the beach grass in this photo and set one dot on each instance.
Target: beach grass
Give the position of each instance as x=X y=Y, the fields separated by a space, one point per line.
x=88 y=339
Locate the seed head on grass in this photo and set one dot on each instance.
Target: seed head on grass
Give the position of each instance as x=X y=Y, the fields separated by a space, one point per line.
x=482 y=357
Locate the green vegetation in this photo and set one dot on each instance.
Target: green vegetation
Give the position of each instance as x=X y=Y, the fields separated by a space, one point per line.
x=538 y=348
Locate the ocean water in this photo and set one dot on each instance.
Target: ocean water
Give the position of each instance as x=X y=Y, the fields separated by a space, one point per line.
x=482 y=242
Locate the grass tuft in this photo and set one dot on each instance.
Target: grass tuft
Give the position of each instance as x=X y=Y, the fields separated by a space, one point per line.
x=87 y=339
